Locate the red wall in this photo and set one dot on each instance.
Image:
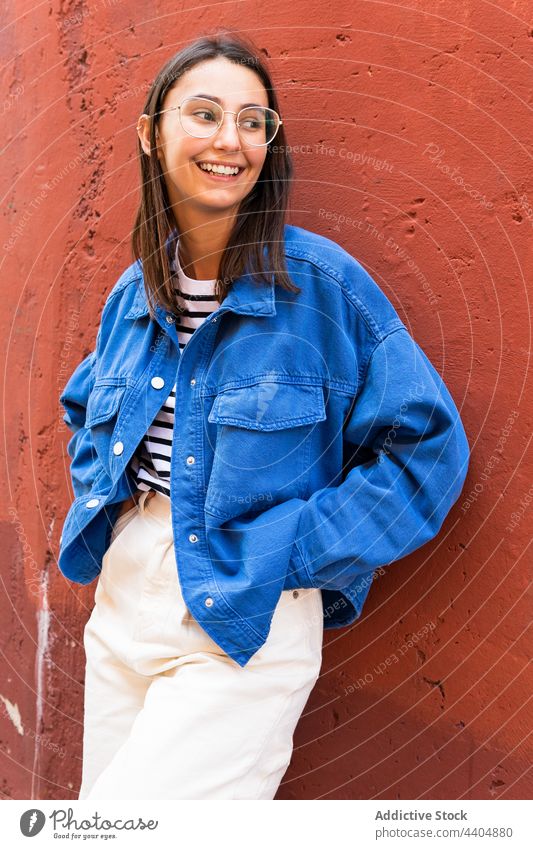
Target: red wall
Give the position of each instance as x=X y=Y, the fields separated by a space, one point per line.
x=423 y=109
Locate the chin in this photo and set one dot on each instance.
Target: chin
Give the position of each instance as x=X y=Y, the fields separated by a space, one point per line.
x=210 y=201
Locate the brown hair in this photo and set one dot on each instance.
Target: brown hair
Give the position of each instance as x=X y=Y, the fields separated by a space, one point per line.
x=260 y=219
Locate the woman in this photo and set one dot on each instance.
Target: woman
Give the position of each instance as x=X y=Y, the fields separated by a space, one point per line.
x=310 y=441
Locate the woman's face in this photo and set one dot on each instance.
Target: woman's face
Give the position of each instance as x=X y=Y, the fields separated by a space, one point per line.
x=179 y=153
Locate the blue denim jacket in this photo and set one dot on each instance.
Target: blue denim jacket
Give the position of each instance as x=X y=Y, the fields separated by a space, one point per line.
x=314 y=440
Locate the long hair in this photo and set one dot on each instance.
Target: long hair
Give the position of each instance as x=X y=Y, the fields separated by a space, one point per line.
x=260 y=220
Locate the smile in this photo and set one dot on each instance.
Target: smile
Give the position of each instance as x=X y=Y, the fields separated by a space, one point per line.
x=220 y=172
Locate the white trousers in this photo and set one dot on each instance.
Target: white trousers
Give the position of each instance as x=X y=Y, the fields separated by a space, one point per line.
x=168 y=714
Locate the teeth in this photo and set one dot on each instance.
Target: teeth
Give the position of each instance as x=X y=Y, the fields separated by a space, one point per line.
x=218 y=169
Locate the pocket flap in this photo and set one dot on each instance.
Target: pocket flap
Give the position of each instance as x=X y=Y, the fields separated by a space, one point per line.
x=269 y=405
x=103 y=403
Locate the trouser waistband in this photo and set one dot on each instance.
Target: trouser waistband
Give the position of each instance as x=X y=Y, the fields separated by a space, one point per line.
x=155 y=503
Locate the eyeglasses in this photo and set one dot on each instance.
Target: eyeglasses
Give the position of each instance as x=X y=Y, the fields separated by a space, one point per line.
x=202 y=118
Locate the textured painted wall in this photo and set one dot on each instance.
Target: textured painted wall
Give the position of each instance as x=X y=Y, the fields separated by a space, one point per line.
x=412 y=122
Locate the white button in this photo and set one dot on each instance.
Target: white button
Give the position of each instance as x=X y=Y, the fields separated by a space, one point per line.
x=169 y=319
x=190 y=461
x=193 y=538
x=209 y=602
x=157 y=382
x=214 y=320
x=94 y=502
x=193 y=381
x=118 y=448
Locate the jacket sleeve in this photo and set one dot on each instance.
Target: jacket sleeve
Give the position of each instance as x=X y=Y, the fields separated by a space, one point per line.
x=84 y=462
x=405 y=420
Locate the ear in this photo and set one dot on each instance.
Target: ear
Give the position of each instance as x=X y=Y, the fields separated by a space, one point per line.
x=143 y=131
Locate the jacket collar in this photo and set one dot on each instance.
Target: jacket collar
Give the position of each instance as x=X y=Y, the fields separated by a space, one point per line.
x=245 y=295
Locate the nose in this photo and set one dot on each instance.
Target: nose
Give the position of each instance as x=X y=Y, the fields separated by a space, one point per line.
x=227 y=136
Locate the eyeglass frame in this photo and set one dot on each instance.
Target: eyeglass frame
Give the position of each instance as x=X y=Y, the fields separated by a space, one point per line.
x=224 y=111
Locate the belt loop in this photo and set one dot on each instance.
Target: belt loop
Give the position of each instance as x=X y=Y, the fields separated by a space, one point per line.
x=142 y=499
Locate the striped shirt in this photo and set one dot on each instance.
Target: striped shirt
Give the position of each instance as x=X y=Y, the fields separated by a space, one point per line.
x=151 y=462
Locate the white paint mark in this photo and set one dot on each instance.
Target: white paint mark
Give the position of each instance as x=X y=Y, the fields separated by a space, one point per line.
x=13 y=713
x=42 y=657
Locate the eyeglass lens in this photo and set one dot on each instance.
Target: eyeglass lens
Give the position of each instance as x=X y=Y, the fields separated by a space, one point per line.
x=200 y=118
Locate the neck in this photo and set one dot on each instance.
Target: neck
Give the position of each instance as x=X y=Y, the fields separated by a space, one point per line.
x=201 y=246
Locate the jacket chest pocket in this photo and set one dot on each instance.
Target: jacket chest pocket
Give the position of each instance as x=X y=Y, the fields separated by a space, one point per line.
x=262 y=445
x=103 y=407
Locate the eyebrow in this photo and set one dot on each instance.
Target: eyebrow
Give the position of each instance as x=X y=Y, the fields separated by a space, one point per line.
x=218 y=100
